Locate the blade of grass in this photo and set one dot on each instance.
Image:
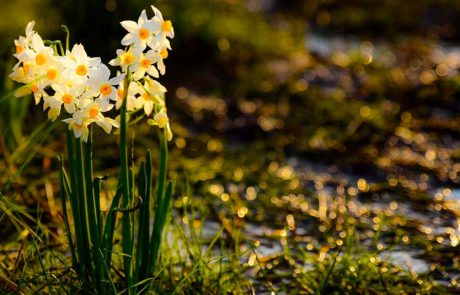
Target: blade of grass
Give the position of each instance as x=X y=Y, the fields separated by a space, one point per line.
x=144 y=267
x=142 y=224
x=109 y=226
x=160 y=219
x=157 y=229
x=29 y=157
x=97 y=203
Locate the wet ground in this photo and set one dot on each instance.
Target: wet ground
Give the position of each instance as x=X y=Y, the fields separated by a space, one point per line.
x=381 y=166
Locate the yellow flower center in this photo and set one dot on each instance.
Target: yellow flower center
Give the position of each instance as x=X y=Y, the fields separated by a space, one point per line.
x=40 y=59
x=67 y=98
x=18 y=49
x=145 y=63
x=106 y=89
x=34 y=88
x=127 y=58
x=144 y=33
x=82 y=70
x=93 y=112
x=52 y=74
x=146 y=96
x=166 y=26
x=26 y=67
x=162 y=121
x=164 y=53
x=120 y=93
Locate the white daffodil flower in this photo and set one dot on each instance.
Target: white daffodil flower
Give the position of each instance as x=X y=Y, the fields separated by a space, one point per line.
x=152 y=94
x=39 y=53
x=38 y=90
x=163 y=30
x=139 y=34
x=160 y=57
x=133 y=90
x=23 y=72
x=23 y=41
x=100 y=83
x=161 y=120
x=79 y=127
x=82 y=118
x=67 y=96
x=126 y=58
x=78 y=63
x=146 y=65
x=51 y=74
x=93 y=112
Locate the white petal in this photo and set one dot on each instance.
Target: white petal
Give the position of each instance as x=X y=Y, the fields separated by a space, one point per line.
x=129 y=25
x=148 y=107
x=142 y=18
x=37 y=42
x=117 y=80
x=128 y=40
x=104 y=72
x=153 y=72
x=94 y=61
x=30 y=27
x=157 y=12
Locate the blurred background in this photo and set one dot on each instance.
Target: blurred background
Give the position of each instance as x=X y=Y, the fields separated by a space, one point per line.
x=297 y=124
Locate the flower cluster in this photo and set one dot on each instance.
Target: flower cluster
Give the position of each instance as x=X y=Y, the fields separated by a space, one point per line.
x=142 y=59
x=83 y=86
x=72 y=81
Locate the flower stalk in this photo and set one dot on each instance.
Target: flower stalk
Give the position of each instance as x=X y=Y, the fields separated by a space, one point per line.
x=126 y=227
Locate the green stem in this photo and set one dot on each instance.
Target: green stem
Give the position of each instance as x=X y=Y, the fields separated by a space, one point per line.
x=75 y=202
x=145 y=184
x=97 y=203
x=65 y=193
x=126 y=228
x=91 y=213
x=84 y=204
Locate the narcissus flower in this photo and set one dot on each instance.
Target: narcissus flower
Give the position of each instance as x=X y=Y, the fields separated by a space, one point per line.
x=161 y=120
x=38 y=90
x=79 y=127
x=23 y=41
x=146 y=65
x=38 y=53
x=126 y=58
x=133 y=90
x=139 y=34
x=94 y=113
x=164 y=29
x=100 y=83
x=78 y=64
x=152 y=94
x=64 y=95
x=22 y=73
